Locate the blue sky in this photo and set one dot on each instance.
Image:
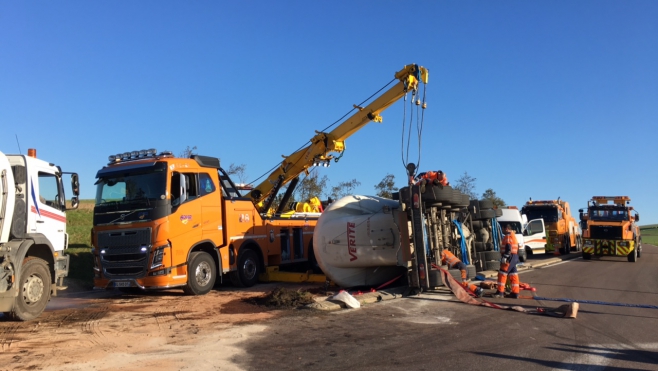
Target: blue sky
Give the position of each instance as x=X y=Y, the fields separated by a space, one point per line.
x=532 y=98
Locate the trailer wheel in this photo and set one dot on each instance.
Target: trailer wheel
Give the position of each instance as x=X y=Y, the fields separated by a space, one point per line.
x=33 y=290
x=248 y=268
x=201 y=274
x=487 y=214
x=492 y=265
x=632 y=256
x=587 y=256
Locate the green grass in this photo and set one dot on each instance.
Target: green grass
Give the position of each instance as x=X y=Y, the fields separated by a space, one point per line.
x=78 y=226
x=649 y=234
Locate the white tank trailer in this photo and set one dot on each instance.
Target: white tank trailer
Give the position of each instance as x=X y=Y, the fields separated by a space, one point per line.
x=357 y=241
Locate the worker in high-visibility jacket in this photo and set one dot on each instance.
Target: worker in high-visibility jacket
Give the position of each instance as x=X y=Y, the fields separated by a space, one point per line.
x=436 y=177
x=508 y=262
x=453 y=262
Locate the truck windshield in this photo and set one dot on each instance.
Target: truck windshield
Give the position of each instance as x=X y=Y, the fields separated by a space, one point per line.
x=138 y=186
x=516 y=226
x=608 y=214
x=548 y=213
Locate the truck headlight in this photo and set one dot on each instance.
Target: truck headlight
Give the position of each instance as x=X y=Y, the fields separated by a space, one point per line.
x=158 y=255
x=589 y=243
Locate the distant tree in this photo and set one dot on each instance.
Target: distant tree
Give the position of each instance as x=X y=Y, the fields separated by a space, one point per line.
x=466 y=184
x=239 y=171
x=311 y=186
x=386 y=187
x=188 y=152
x=489 y=194
x=344 y=188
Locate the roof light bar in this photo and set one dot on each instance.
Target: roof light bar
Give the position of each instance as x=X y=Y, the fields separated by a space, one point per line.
x=133 y=155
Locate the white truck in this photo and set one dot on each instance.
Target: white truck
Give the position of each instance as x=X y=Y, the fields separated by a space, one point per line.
x=510 y=215
x=32 y=233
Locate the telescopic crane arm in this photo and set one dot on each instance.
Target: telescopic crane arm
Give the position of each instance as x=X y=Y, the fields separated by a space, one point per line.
x=317 y=153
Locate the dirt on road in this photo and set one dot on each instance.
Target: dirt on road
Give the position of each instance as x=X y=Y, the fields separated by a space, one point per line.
x=166 y=330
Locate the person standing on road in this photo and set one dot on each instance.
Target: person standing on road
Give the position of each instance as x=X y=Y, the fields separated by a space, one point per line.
x=453 y=262
x=508 y=262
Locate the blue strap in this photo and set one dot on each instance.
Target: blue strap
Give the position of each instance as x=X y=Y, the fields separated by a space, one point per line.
x=497 y=234
x=463 y=243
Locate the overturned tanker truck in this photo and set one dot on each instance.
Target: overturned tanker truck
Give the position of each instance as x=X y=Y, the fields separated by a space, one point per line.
x=369 y=241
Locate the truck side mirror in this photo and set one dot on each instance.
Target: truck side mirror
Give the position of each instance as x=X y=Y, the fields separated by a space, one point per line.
x=74 y=203
x=75 y=184
x=637 y=217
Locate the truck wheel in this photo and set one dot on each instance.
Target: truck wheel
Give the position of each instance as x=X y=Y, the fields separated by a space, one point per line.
x=313 y=261
x=487 y=214
x=33 y=290
x=566 y=245
x=522 y=256
x=486 y=204
x=632 y=256
x=492 y=265
x=201 y=274
x=248 y=268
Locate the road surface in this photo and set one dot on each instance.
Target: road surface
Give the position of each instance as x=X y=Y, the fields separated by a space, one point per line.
x=223 y=330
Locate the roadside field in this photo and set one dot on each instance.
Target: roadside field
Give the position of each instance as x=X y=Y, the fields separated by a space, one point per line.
x=79 y=223
x=650 y=234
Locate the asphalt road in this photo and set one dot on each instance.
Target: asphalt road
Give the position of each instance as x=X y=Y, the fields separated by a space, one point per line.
x=432 y=331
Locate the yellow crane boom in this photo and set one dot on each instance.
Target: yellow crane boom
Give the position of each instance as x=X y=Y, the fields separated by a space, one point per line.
x=322 y=144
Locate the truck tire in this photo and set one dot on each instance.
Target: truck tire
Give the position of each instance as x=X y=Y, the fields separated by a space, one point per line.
x=490 y=247
x=248 y=269
x=566 y=245
x=438 y=193
x=487 y=214
x=477 y=224
x=435 y=278
x=587 y=256
x=493 y=265
x=498 y=212
x=486 y=204
x=522 y=256
x=33 y=290
x=491 y=255
x=201 y=274
x=632 y=256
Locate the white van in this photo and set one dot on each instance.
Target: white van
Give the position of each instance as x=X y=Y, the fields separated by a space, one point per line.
x=512 y=216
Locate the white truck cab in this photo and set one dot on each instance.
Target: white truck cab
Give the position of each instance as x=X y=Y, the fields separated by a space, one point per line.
x=32 y=233
x=512 y=216
x=534 y=233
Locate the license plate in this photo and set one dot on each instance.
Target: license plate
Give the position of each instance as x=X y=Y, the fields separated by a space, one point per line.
x=122 y=284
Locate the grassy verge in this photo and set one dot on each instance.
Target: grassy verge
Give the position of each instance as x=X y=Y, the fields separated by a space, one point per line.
x=650 y=234
x=78 y=226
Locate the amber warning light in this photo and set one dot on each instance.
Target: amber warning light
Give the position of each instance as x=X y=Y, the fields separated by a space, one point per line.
x=31 y=152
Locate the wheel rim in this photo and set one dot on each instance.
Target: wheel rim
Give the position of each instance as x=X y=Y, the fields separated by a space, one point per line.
x=203 y=274
x=249 y=269
x=32 y=289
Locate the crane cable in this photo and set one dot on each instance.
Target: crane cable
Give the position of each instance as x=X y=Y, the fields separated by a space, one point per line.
x=328 y=127
x=420 y=119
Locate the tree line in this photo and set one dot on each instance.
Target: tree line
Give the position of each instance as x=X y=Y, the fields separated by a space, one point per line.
x=314 y=185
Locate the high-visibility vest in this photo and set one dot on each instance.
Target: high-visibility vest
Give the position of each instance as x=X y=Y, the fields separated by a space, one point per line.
x=511 y=240
x=449 y=258
x=432 y=175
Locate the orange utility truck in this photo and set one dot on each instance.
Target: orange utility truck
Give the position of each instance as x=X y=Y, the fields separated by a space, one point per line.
x=553 y=218
x=612 y=228
x=164 y=222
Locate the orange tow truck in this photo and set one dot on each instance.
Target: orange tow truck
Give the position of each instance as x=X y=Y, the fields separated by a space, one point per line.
x=612 y=228
x=166 y=222
x=553 y=219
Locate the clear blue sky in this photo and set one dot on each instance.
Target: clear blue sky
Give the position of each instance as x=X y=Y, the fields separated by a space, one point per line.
x=533 y=98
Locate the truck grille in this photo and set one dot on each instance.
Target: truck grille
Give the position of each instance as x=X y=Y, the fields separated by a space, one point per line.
x=605 y=232
x=122 y=255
